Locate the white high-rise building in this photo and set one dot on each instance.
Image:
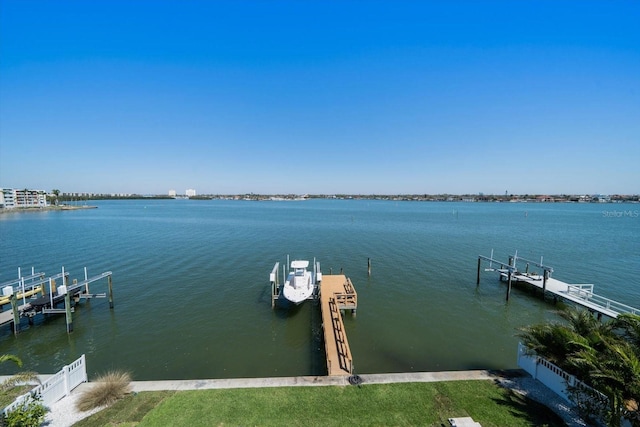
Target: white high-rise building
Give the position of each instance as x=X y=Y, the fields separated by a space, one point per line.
x=190 y=192
x=13 y=198
x=172 y=193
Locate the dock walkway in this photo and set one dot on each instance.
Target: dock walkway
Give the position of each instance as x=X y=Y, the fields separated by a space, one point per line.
x=337 y=293
x=579 y=294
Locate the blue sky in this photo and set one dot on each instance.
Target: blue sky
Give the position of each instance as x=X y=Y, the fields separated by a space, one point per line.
x=320 y=97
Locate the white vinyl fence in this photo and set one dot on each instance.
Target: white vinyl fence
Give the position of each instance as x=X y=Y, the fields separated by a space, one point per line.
x=56 y=387
x=550 y=375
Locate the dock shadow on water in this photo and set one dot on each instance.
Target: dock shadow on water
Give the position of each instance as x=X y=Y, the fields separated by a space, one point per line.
x=318 y=353
x=302 y=326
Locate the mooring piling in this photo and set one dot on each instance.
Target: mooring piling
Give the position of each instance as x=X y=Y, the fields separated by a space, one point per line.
x=110 y=285
x=16 y=314
x=67 y=309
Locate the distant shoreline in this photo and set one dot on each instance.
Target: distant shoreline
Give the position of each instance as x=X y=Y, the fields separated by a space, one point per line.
x=46 y=208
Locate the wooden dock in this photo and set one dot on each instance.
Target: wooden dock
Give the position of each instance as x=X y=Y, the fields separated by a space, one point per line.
x=579 y=294
x=337 y=293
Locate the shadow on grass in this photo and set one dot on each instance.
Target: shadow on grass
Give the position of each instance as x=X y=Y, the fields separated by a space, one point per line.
x=529 y=410
x=127 y=411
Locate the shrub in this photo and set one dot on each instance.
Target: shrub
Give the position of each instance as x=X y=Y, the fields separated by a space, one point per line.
x=107 y=389
x=30 y=414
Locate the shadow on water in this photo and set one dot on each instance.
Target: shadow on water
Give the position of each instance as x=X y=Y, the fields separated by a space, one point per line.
x=285 y=309
x=305 y=320
x=318 y=353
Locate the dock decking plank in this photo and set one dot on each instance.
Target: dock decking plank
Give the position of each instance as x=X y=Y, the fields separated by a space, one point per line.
x=336 y=293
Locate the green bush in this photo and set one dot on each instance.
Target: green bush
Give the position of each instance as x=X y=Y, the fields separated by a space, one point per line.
x=30 y=414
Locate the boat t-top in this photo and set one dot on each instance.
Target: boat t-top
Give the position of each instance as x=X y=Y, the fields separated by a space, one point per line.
x=299 y=285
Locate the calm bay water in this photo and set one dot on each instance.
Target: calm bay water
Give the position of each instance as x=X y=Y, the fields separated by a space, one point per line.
x=192 y=297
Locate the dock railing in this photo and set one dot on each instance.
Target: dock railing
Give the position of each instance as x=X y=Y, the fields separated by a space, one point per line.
x=344 y=354
x=584 y=291
x=601 y=301
x=56 y=387
x=347 y=299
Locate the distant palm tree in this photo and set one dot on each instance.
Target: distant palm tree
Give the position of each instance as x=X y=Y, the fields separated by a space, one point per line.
x=20 y=377
x=56 y=193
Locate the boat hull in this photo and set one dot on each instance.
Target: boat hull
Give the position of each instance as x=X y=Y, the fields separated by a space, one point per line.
x=298 y=289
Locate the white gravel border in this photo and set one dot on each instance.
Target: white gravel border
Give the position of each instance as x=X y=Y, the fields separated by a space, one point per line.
x=63 y=413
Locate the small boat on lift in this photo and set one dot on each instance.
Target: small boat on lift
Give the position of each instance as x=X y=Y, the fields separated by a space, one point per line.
x=300 y=283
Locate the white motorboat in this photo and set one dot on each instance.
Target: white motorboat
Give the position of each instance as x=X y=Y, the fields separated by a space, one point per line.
x=300 y=284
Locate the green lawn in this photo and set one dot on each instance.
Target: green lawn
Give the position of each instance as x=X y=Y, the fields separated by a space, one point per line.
x=406 y=404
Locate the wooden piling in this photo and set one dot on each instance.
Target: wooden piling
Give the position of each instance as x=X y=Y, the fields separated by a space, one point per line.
x=508 y=284
x=478 y=279
x=110 y=291
x=369 y=266
x=545 y=276
x=16 y=314
x=67 y=308
x=273 y=294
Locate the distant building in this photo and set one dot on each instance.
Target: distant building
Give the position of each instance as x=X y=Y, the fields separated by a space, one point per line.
x=172 y=193
x=10 y=198
x=190 y=192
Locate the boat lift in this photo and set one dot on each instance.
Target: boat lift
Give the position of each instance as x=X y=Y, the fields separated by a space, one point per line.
x=46 y=304
x=579 y=294
x=276 y=285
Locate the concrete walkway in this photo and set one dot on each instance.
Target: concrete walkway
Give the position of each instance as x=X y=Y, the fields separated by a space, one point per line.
x=137 y=386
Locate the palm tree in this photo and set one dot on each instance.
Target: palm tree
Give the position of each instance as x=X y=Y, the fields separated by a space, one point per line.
x=20 y=377
x=552 y=341
x=603 y=355
x=56 y=193
x=628 y=326
x=615 y=371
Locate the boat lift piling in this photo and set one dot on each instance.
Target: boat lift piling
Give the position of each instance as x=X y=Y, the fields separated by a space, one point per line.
x=16 y=314
x=275 y=285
